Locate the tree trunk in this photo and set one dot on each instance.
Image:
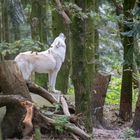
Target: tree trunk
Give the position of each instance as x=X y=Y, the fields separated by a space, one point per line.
x=83 y=66
x=16 y=29
x=136 y=120
x=12 y=83
x=38 y=20
x=128 y=45
x=39 y=31
x=5 y=21
x=0 y=23
x=63 y=75
x=99 y=94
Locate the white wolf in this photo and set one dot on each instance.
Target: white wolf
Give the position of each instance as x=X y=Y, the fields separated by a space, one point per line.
x=48 y=61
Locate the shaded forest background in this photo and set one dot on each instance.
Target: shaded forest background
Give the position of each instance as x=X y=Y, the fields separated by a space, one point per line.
x=102 y=37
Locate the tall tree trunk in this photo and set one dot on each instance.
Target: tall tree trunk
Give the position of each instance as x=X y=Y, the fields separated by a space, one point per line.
x=128 y=45
x=12 y=83
x=38 y=20
x=0 y=23
x=16 y=29
x=63 y=76
x=136 y=120
x=83 y=66
x=39 y=32
x=5 y=21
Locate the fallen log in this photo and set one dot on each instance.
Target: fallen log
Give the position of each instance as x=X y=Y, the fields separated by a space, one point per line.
x=42 y=120
x=8 y=99
x=41 y=91
x=20 y=109
x=34 y=88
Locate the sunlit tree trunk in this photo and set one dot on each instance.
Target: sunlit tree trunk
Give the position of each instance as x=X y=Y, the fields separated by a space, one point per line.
x=128 y=45
x=83 y=66
x=63 y=75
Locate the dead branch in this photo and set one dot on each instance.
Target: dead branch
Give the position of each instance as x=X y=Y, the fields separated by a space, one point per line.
x=41 y=91
x=68 y=126
x=62 y=12
x=71 y=118
x=64 y=106
x=74 y=136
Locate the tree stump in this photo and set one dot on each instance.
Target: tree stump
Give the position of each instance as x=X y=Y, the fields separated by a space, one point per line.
x=99 y=94
x=12 y=83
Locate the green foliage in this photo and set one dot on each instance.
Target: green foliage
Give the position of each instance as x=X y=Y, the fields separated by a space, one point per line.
x=113 y=94
x=75 y=10
x=128 y=134
x=37 y=134
x=20 y=46
x=133 y=25
x=57 y=107
x=60 y=122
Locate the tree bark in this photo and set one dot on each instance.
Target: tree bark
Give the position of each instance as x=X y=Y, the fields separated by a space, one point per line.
x=63 y=76
x=136 y=120
x=5 y=21
x=12 y=83
x=128 y=45
x=41 y=91
x=38 y=20
x=39 y=32
x=62 y=12
x=99 y=94
x=83 y=62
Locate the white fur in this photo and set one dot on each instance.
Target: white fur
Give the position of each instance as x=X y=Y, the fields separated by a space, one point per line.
x=49 y=61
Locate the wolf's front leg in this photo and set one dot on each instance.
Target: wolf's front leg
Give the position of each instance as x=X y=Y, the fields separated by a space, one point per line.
x=53 y=77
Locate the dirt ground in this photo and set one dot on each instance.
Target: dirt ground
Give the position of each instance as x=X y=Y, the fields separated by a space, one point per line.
x=118 y=129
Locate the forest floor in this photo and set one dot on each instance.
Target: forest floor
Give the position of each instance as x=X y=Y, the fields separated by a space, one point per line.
x=118 y=129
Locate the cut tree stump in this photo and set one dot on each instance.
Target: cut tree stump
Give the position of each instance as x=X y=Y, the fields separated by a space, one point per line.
x=12 y=83
x=99 y=94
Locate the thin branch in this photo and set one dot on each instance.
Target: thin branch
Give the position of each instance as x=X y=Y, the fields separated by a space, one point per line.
x=62 y=12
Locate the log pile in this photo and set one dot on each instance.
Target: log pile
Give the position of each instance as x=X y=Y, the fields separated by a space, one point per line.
x=33 y=116
x=70 y=126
